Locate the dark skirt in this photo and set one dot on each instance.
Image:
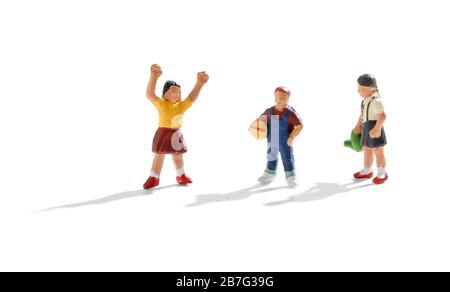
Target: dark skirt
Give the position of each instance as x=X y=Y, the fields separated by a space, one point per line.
x=367 y=141
x=169 y=141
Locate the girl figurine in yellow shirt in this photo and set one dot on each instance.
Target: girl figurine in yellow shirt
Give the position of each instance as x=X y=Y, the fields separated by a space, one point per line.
x=168 y=138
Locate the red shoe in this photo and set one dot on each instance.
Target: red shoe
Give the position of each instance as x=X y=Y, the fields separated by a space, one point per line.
x=151 y=183
x=183 y=180
x=359 y=175
x=379 y=181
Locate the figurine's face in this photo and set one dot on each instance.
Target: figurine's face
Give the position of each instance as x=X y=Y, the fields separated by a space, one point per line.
x=281 y=98
x=365 y=91
x=173 y=94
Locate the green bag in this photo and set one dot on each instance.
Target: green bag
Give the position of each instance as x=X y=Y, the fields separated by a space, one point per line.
x=354 y=142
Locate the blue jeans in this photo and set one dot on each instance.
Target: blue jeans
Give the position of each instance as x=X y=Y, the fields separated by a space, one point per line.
x=287 y=157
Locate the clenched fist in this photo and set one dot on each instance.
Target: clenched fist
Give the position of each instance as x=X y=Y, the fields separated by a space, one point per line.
x=156 y=71
x=202 y=77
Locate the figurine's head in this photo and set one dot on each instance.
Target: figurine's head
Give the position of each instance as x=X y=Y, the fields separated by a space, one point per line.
x=282 y=95
x=367 y=85
x=172 y=91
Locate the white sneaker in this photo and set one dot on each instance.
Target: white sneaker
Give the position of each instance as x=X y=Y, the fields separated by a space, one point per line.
x=292 y=181
x=266 y=178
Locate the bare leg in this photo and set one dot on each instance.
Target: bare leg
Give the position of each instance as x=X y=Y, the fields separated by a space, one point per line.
x=381 y=160
x=158 y=162
x=153 y=180
x=178 y=161
x=368 y=157
x=182 y=179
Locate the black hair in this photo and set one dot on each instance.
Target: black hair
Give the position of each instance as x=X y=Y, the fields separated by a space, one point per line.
x=168 y=85
x=368 y=81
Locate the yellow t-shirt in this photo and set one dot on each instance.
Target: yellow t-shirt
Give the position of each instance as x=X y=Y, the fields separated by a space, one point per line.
x=376 y=108
x=171 y=114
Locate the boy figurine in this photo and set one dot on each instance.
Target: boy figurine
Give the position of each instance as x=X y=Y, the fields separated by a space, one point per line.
x=283 y=126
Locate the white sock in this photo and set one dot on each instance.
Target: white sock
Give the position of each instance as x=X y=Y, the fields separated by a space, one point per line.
x=154 y=174
x=381 y=173
x=180 y=171
x=366 y=170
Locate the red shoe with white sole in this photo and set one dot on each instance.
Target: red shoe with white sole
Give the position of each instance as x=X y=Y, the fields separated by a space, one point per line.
x=183 y=180
x=151 y=183
x=359 y=175
x=379 y=181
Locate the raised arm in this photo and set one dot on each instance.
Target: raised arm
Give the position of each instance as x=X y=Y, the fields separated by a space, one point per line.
x=155 y=73
x=202 y=79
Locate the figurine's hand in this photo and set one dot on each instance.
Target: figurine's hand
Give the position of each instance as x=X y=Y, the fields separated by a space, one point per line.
x=202 y=78
x=156 y=71
x=375 y=133
x=290 y=141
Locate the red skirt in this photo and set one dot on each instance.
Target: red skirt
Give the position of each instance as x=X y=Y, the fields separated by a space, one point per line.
x=169 y=141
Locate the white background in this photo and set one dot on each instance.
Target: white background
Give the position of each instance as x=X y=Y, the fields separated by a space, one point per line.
x=76 y=132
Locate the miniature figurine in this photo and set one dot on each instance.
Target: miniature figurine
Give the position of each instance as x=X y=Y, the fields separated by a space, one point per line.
x=280 y=124
x=169 y=138
x=370 y=126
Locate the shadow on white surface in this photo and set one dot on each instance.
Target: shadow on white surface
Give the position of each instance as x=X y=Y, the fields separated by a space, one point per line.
x=322 y=191
x=235 y=195
x=111 y=198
